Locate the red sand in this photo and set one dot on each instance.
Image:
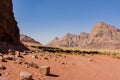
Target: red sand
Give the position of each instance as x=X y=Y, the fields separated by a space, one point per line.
x=76 y=67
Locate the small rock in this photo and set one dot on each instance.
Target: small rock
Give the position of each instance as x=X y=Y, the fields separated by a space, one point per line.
x=46 y=58
x=34 y=57
x=26 y=66
x=23 y=53
x=62 y=62
x=2 y=67
x=31 y=64
x=19 y=61
x=3 y=78
x=10 y=57
x=45 y=70
x=19 y=54
x=2 y=60
x=91 y=60
x=26 y=76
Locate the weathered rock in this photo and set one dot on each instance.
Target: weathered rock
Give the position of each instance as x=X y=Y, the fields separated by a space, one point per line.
x=19 y=61
x=9 y=31
x=18 y=54
x=91 y=59
x=9 y=57
x=31 y=64
x=26 y=76
x=45 y=70
x=102 y=36
x=29 y=41
x=3 y=78
x=54 y=42
x=2 y=60
x=34 y=57
x=8 y=26
x=2 y=67
x=45 y=57
x=24 y=38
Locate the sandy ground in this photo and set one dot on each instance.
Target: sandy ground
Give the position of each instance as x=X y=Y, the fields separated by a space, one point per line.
x=66 y=67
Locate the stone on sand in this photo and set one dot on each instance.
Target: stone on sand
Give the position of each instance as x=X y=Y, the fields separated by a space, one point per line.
x=26 y=76
x=45 y=70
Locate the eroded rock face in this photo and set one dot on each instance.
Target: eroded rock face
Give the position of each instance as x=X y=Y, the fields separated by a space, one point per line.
x=9 y=31
x=102 y=36
x=54 y=42
x=25 y=38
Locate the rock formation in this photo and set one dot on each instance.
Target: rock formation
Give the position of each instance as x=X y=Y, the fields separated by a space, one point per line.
x=54 y=42
x=9 y=31
x=28 y=40
x=102 y=36
x=69 y=40
x=8 y=26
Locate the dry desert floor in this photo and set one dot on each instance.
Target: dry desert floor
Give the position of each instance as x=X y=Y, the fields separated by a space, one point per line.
x=64 y=67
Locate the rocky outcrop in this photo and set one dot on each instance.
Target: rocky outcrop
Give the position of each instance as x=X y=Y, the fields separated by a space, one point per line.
x=69 y=40
x=9 y=31
x=8 y=26
x=54 y=42
x=25 y=38
x=29 y=41
x=102 y=36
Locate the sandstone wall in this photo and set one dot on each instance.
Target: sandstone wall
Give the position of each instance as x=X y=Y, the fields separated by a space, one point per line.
x=9 y=31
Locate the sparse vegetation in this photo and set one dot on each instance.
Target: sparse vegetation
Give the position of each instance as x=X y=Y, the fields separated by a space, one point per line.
x=78 y=52
x=67 y=51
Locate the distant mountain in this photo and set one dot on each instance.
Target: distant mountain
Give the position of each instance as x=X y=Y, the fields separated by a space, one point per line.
x=28 y=40
x=104 y=36
x=101 y=36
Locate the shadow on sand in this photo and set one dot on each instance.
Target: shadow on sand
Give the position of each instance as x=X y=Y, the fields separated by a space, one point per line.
x=53 y=75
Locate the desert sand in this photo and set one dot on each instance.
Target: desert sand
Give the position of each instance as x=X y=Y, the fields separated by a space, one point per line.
x=65 y=67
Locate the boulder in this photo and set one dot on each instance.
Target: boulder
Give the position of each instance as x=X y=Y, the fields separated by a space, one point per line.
x=2 y=67
x=26 y=76
x=45 y=70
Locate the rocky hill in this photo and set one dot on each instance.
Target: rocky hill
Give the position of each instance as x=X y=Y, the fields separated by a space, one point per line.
x=28 y=40
x=104 y=36
x=9 y=31
x=101 y=36
x=66 y=41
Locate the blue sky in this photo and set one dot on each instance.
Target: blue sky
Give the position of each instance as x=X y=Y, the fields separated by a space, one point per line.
x=46 y=19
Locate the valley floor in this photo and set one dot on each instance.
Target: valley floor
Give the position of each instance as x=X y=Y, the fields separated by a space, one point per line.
x=65 y=67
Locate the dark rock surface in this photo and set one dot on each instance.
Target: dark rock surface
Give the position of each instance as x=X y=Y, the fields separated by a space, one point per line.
x=9 y=31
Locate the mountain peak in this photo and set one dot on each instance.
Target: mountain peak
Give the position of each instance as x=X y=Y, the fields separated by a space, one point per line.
x=102 y=36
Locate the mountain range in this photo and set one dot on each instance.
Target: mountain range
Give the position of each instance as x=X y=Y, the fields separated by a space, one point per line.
x=102 y=35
